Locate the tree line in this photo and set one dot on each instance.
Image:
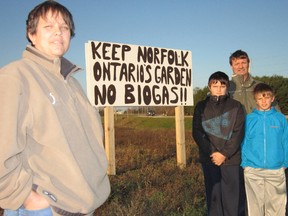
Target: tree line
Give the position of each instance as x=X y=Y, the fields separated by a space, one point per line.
x=278 y=83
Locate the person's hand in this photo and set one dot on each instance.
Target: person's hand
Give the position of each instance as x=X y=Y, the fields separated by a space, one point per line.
x=217 y=158
x=35 y=202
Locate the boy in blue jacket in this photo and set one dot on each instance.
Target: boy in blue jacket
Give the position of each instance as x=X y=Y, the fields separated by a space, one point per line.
x=265 y=156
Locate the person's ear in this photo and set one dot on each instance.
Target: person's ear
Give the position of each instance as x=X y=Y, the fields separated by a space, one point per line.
x=32 y=38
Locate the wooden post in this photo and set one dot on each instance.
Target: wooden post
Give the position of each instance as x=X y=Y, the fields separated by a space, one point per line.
x=180 y=137
x=110 y=139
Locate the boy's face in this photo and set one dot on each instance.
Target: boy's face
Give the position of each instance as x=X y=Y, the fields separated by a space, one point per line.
x=264 y=100
x=217 y=89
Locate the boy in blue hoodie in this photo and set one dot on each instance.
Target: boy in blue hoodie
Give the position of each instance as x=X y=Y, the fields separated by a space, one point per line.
x=265 y=156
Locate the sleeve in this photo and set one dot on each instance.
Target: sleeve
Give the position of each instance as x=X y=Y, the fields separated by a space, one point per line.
x=234 y=143
x=244 y=143
x=15 y=180
x=285 y=143
x=198 y=132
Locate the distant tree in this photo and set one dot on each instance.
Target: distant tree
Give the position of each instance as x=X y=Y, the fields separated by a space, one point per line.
x=278 y=83
x=199 y=94
x=164 y=110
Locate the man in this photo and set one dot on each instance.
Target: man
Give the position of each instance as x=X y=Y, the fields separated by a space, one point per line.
x=52 y=160
x=242 y=83
x=241 y=89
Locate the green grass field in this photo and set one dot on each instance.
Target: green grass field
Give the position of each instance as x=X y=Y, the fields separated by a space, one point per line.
x=154 y=122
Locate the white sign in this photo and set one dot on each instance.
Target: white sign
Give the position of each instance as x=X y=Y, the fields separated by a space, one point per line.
x=132 y=75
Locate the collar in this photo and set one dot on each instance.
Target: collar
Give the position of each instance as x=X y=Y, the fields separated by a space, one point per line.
x=217 y=99
x=239 y=79
x=261 y=112
x=59 y=65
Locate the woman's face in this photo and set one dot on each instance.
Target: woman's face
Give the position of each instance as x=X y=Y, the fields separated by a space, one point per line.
x=52 y=35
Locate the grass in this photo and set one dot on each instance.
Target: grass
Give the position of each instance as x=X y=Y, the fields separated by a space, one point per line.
x=148 y=181
x=143 y=122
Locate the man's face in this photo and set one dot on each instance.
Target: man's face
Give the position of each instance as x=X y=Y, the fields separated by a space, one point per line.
x=52 y=35
x=240 y=66
x=264 y=100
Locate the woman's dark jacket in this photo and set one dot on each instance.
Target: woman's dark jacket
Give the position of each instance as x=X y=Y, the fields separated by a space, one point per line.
x=218 y=126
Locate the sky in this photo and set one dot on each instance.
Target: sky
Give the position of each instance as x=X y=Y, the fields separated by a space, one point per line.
x=210 y=29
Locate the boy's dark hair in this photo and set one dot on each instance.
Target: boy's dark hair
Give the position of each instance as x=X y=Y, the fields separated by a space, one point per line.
x=263 y=88
x=219 y=76
x=238 y=54
x=41 y=10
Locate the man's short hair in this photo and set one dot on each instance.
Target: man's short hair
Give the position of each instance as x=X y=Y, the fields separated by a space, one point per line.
x=238 y=54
